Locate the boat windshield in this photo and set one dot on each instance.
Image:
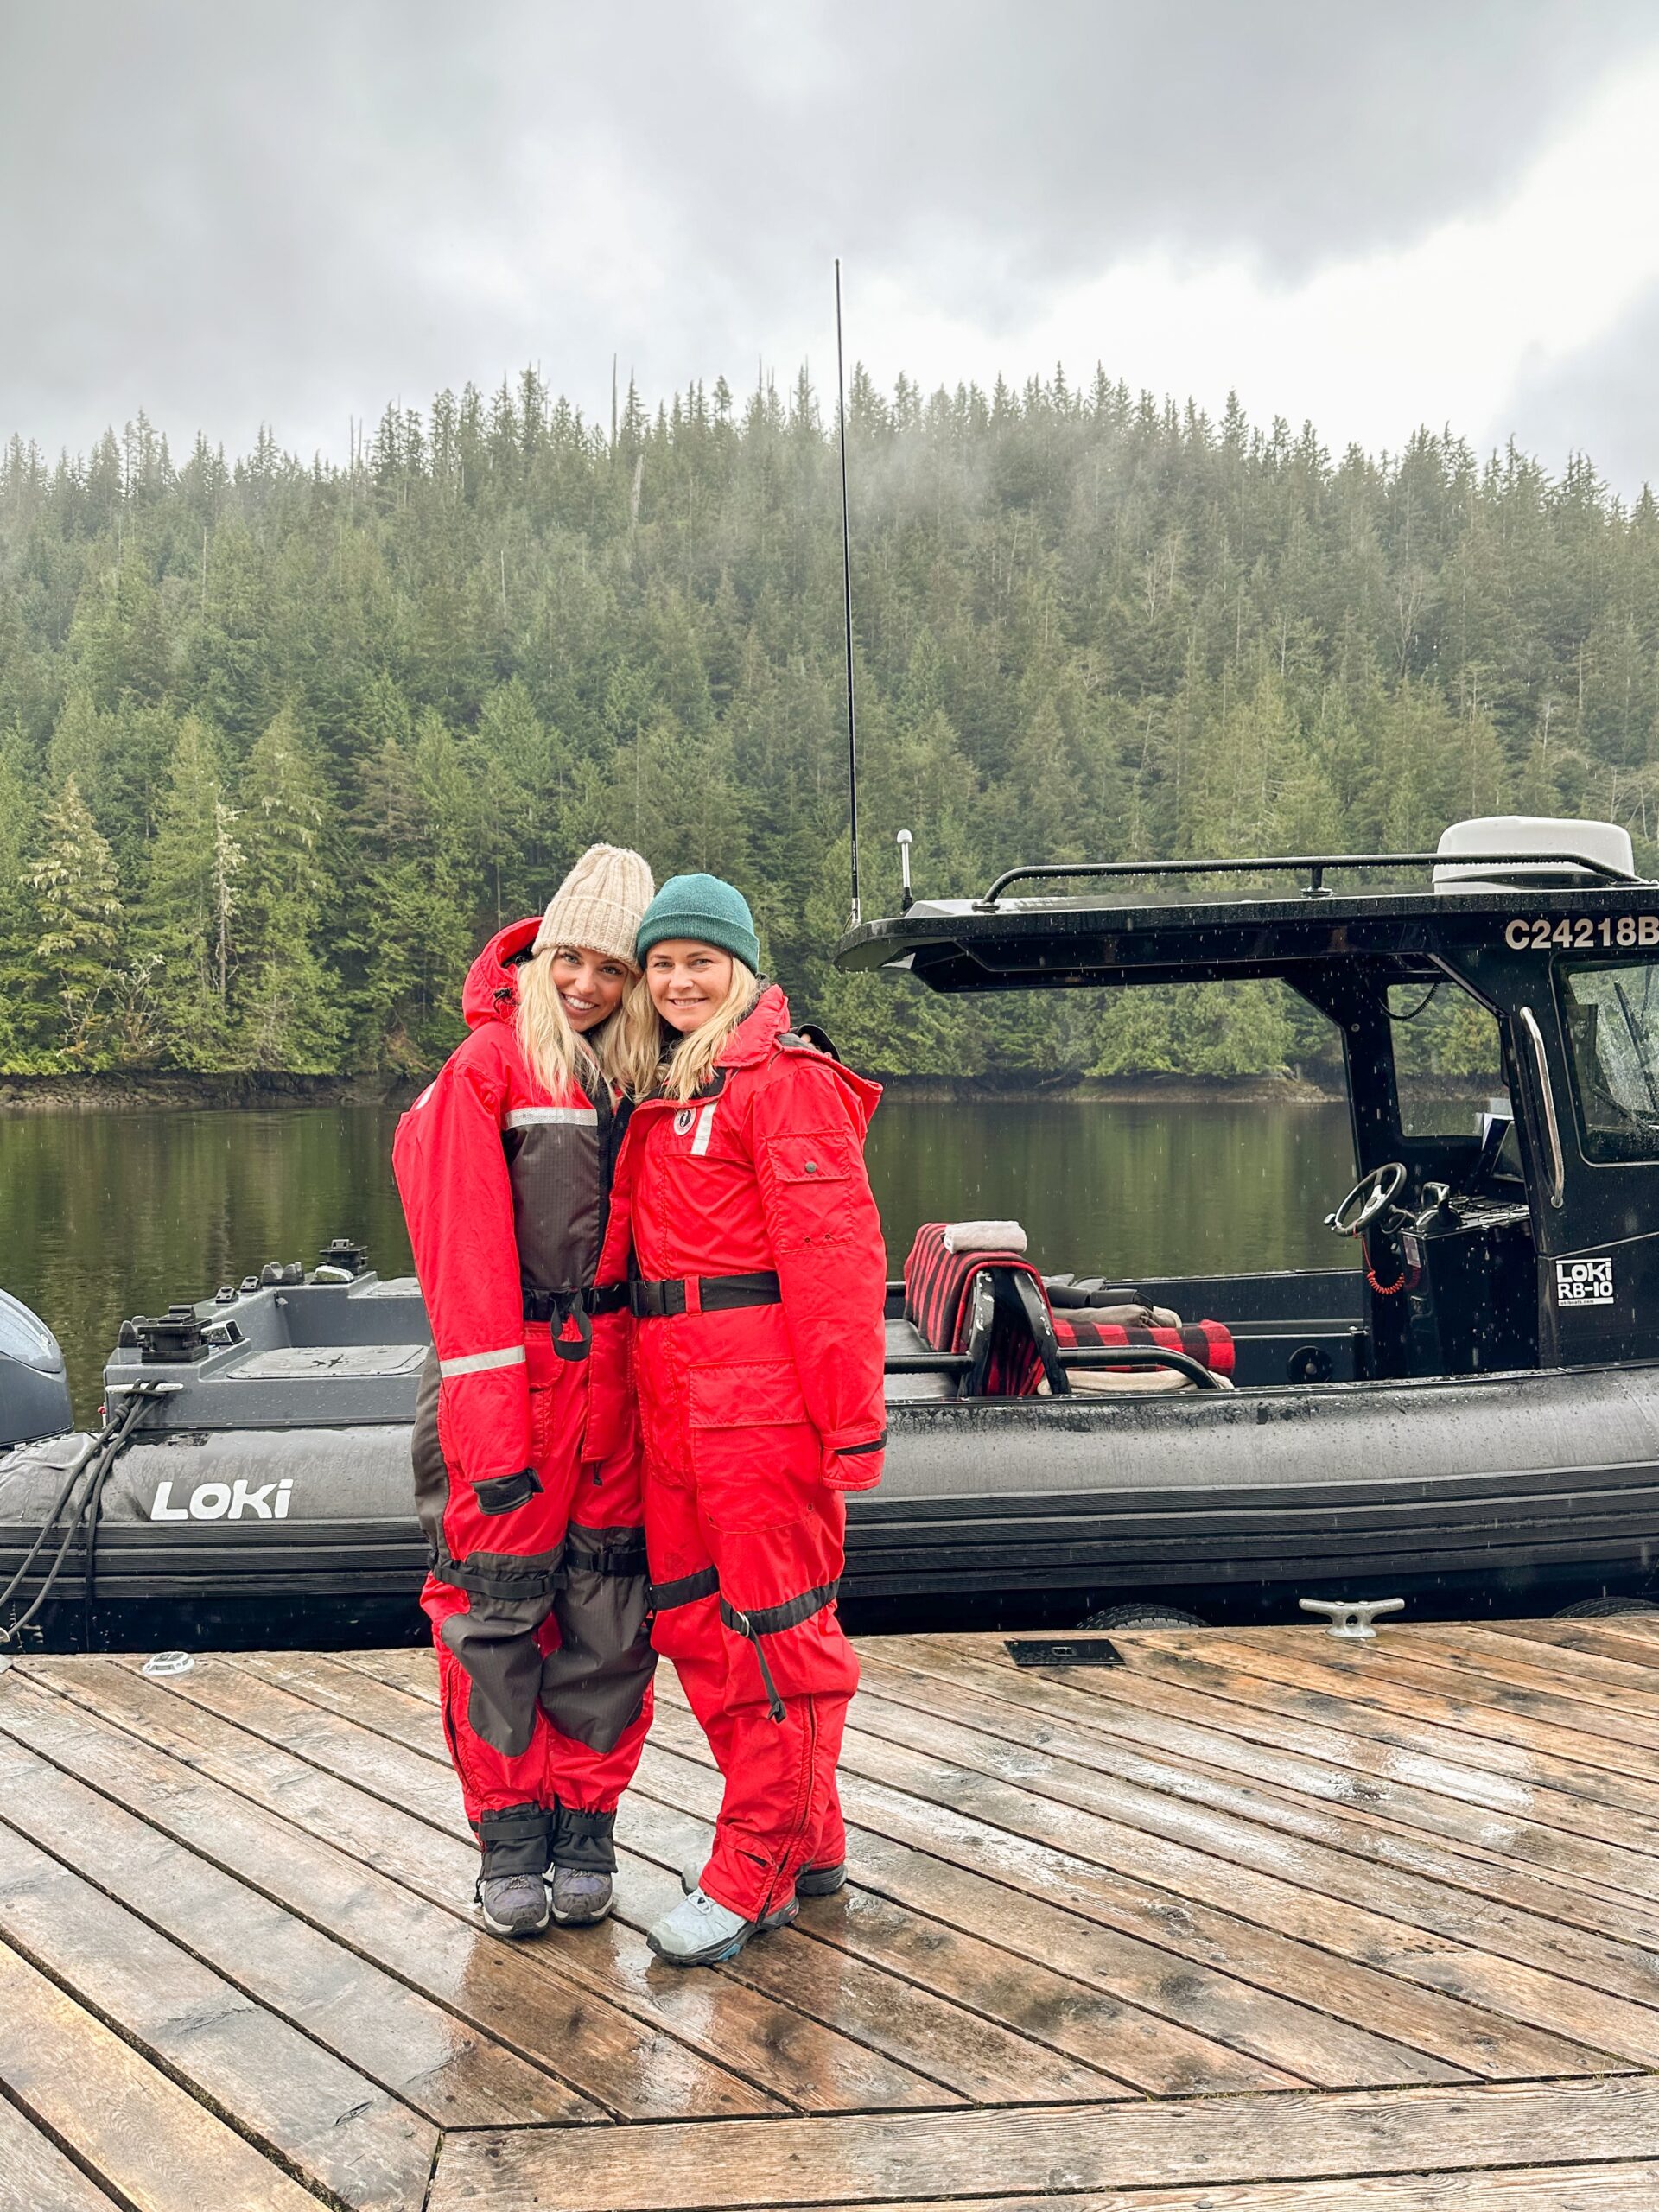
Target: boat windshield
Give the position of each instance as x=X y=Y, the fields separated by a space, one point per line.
x=1612 y=1027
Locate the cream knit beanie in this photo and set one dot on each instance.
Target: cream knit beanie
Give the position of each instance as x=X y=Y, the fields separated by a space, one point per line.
x=600 y=904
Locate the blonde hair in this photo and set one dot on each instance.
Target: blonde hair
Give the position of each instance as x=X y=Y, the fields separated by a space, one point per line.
x=690 y=1062
x=557 y=1056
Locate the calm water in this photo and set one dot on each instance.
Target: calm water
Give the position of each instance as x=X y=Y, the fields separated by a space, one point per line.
x=104 y=1214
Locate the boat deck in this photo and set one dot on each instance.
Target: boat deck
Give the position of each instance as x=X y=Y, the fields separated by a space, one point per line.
x=1256 y=1922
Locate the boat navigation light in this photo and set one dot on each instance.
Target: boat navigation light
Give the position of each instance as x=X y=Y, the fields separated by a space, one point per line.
x=907 y=896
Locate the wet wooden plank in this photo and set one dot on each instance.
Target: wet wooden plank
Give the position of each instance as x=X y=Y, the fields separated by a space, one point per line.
x=475 y=1989
x=412 y=2047
x=1152 y=1950
x=35 y=2177
x=323 y=2118
x=746 y=2166
x=1608 y=1689
x=1633 y=2188
x=1362 y=1864
x=1484 y=1700
x=1406 y=1697
x=155 y=2147
x=1229 y=1717
x=1644 y=1627
x=1437 y=1994
x=1368 y=1739
x=1346 y=1795
x=1604 y=1638
x=783 y=2047
x=1045 y=2019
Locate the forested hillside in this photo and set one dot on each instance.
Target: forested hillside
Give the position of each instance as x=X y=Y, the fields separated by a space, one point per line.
x=279 y=743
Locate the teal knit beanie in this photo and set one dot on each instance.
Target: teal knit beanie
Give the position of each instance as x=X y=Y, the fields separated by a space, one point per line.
x=704 y=909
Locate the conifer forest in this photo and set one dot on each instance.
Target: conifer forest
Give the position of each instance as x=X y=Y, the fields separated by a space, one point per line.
x=281 y=742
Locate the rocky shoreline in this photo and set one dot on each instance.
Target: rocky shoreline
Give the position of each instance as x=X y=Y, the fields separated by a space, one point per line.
x=161 y=1093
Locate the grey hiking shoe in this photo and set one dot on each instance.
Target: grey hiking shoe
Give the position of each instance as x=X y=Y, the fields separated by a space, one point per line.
x=513 y=1904
x=580 y=1895
x=810 y=1882
x=700 y=1933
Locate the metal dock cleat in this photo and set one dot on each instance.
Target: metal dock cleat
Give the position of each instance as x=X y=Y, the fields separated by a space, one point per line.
x=1351 y=1618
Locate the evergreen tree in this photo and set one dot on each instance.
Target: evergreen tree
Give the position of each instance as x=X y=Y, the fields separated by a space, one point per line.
x=21 y=998
x=74 y=880
x=185 y=921
x=287 y=1005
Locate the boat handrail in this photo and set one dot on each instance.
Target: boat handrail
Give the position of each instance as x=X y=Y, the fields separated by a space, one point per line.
x=1546 y=1102
x=1121 y=1355
x=1315 y=863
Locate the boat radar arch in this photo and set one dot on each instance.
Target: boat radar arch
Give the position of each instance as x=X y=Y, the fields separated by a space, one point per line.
x=1491 y=835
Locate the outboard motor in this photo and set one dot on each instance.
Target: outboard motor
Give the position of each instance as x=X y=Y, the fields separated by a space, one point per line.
x=34 y=1382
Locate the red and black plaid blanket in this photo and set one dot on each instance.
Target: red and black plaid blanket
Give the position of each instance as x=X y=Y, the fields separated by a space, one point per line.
x=1207 y=1342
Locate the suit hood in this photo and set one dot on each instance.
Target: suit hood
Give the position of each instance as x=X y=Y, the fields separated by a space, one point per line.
x=491 y=991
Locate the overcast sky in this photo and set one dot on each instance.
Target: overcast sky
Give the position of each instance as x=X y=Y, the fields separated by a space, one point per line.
x=1374 y=212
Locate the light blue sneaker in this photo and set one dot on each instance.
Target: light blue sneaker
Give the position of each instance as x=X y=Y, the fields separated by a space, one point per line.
x=810 y=1882
x=700 y=1933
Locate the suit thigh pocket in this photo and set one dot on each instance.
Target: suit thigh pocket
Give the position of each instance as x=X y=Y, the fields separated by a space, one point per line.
x=754 y=1451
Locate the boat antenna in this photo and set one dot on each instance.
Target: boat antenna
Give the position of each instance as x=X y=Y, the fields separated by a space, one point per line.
x=847 y=596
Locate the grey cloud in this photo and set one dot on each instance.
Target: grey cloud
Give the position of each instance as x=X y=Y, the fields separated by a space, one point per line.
x=1600 y=402
x=286 y=211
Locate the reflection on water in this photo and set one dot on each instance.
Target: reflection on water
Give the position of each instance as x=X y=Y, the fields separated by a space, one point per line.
x=104 y=1214
x=1119 y=1189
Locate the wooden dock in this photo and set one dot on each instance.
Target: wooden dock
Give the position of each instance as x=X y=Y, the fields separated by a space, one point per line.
x=1258 y=1922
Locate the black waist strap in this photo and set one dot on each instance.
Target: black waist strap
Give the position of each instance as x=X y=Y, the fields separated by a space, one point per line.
x=659 y=1301
x=555 y=1308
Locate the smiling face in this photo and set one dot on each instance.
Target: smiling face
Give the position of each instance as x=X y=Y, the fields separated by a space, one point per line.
x=687 y=982
x=589 y=984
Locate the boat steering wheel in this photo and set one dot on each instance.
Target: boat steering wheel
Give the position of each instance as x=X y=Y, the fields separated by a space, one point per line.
x=1367 y=1200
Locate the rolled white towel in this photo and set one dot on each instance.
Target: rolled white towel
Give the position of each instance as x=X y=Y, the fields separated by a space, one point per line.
x=984 y=1237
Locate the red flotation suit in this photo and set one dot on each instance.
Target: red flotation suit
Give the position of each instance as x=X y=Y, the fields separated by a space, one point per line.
x=526 y=1462
x=746 y=1221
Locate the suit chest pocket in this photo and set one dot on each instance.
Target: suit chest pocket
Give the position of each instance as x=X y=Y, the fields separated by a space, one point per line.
x=815 y=1180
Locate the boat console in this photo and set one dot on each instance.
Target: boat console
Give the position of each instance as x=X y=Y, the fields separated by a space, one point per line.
x=1469 y=1287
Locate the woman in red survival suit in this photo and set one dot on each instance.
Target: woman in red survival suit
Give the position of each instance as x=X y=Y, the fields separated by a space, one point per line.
x=742 y=1221
x=526 y=1469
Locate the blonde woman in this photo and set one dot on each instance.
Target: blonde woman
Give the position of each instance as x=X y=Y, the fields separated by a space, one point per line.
x=526 y=1471
x=742 y=1224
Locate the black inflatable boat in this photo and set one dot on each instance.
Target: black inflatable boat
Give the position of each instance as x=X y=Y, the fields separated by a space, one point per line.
x=1474 y=1415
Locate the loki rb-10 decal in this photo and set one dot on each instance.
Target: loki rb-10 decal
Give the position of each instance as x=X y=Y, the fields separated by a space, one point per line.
x=1584 y=1282
x=1583 y=933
